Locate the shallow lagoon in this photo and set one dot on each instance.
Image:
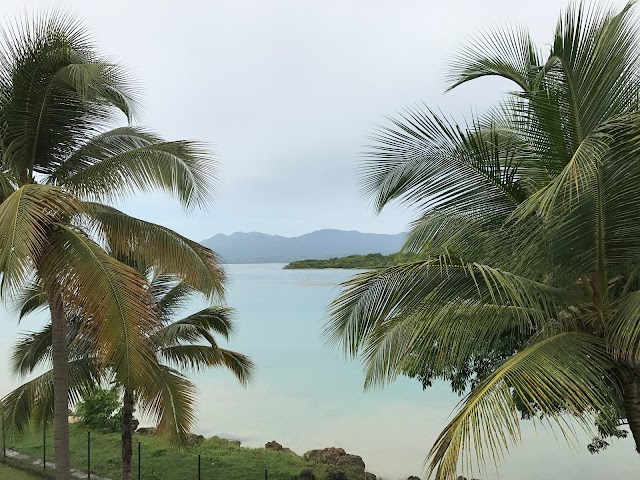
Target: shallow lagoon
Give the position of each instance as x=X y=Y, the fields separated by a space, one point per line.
x=306 y=395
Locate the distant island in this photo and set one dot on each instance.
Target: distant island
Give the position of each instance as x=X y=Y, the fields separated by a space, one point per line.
x=370 y=261
x=256 y=247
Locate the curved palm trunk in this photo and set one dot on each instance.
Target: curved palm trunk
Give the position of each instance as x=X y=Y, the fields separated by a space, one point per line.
x=127 y=434
x=60 y=388
x=631 y=396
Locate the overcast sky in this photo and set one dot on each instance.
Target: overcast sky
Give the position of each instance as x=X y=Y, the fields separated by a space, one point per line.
x=286 y=91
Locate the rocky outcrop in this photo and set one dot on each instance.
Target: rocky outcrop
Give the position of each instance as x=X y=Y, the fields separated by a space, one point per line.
x=369 y=476
x=147 y=431
x=273 y=445
x=325 y=455
x=417 y=478
x=351 y=462
x=337 y=457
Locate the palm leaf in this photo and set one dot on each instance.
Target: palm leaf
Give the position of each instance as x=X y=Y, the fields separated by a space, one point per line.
x=507 y=52
x=426 y=286
x=168 y=398
x=111 y=296
x=27 y=217
x=32 y=402
x=197 y=327
x=120 y=162
x=568 y=370
x=150 y=244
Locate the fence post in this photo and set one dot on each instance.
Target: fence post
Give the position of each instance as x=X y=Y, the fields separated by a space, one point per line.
x=198 y=466
x=139 y=464
x=4 y=439
x=266 y=475
x=89 y=455
x=44 y=445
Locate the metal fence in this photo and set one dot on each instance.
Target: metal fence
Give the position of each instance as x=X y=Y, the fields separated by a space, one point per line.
x=29 y=464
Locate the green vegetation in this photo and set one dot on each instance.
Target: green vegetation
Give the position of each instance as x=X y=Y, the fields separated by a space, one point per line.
x=101 y=409
x=162 y=461
x=372 y=260
x=13 y=474
x=527 y=288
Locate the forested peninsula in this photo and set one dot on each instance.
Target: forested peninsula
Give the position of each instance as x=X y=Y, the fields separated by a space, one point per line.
x=371 y=260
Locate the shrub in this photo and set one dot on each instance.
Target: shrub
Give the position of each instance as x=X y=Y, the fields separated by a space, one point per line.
x=101 y=409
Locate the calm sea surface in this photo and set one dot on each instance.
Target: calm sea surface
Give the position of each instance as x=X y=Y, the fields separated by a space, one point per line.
x=306 y=395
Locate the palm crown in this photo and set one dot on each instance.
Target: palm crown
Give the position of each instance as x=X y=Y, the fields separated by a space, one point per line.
x=529 y=241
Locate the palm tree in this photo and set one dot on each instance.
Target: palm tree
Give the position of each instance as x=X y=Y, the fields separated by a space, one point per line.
x=183 y=345
x=61 y=157
x=528 y=239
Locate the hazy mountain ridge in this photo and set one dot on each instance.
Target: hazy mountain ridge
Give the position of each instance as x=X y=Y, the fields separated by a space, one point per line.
x=256 y=247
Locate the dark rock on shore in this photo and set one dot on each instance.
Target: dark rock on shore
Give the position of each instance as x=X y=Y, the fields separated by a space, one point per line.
x=417 y=478
x=338 y=457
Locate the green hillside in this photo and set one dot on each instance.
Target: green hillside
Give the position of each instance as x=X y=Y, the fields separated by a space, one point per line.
x=220 y=458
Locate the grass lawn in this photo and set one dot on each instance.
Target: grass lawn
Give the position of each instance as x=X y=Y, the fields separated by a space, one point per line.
x=10 y=473
x=220 y=459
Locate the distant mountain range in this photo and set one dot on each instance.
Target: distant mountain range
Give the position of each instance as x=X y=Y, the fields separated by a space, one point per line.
x=255 y=247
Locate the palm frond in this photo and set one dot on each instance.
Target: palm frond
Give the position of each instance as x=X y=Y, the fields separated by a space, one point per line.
x=31 y=299
x=594 y=54
x=427 y=286
x=507 y=52
x=27 y=217
x=32 y=402
x=121 y=162
x=112 y=297
x=168 y=398
x=198 y=357
x=566 y=373
x=427 y=161
x=198 y=326
x=31 y=351
x=150 y=244
x=171 y=296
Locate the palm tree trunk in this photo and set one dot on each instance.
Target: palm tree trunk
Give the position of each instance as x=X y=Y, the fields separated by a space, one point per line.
x=631 y=397
x=60 y=388
x=127 y=434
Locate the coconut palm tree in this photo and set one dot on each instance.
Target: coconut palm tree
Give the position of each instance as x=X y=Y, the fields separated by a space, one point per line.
x=183 y=345
x=527 y=286
x=63 y=154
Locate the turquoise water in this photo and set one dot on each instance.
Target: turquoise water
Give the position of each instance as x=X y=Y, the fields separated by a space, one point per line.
x=306 y=395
